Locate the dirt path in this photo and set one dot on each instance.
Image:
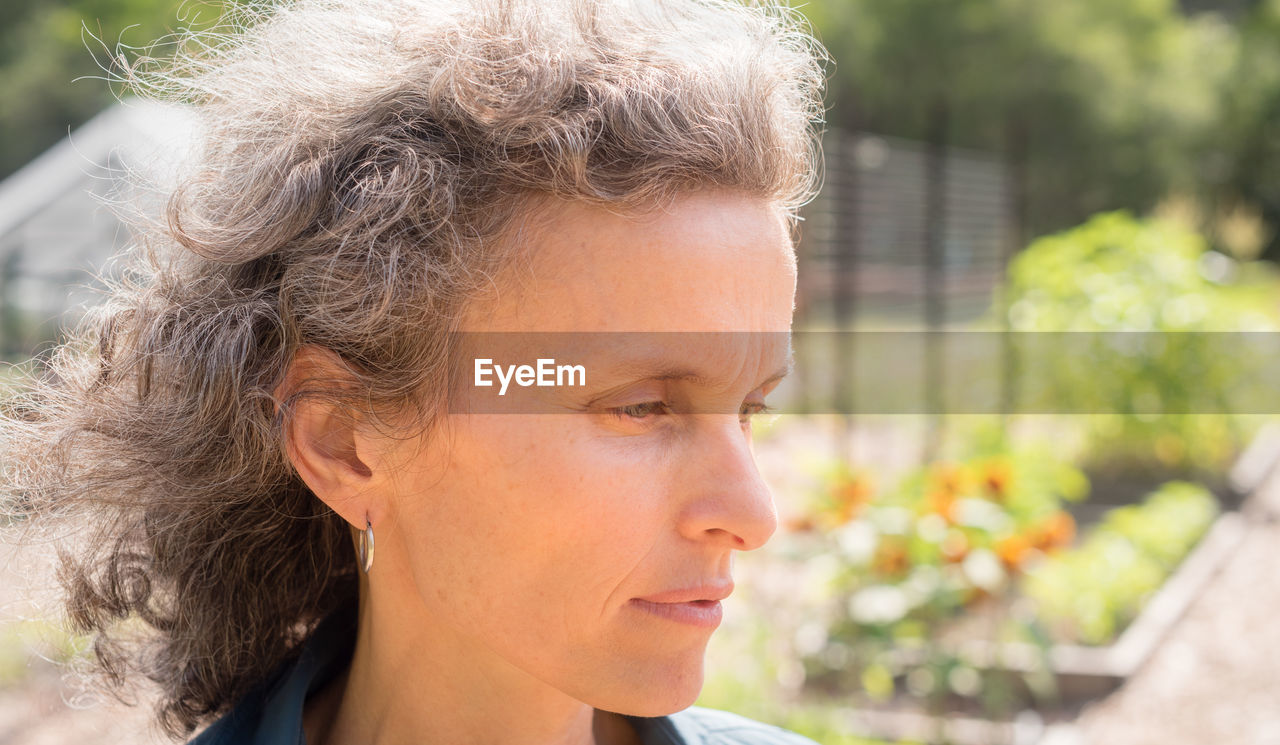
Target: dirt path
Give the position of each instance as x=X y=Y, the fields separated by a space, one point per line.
x=1215 y=679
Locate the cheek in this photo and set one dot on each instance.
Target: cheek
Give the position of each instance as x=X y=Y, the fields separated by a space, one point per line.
x=539 y=515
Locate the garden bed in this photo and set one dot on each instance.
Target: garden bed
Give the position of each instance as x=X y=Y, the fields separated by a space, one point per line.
x=1076 y=673
x=1081 y=673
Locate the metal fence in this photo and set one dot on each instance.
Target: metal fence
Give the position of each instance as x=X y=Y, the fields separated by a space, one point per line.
x=899 y=232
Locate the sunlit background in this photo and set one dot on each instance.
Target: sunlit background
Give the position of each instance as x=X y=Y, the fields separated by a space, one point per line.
x=1015 y=167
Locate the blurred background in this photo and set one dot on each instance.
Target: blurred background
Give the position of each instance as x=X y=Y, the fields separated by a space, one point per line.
x=1094 y=570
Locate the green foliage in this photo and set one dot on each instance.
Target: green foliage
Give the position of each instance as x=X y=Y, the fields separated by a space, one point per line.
x=1116 y=274
x=1088 y=594
x=23 y=641
x=15 y=656
x=745 y=682
x=51 y=55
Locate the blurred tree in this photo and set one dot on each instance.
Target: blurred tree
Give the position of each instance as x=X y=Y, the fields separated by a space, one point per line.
x=1247 y=146
x=46 y=45
x=1108 y=104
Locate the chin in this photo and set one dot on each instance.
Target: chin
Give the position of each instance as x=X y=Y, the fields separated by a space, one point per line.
x=658 y=708
x=662 y=694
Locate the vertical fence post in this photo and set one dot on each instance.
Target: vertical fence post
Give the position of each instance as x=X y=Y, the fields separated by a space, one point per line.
x=845 y=290
x=935 y=302
x=1016 y=136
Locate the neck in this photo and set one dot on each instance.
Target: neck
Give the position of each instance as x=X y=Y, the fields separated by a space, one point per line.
x=408 y=684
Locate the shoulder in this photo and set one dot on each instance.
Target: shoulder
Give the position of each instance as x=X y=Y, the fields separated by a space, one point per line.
x=699 y=726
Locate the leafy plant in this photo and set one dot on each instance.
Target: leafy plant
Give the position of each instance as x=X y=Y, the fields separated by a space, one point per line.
x=1089 y=594
x=987 y=539
x=949 y=538
x=1138 y=323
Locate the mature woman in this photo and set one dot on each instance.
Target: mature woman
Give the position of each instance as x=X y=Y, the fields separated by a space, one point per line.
x=288 y=366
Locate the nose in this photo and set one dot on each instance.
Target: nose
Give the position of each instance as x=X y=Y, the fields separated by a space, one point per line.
x=730 y=503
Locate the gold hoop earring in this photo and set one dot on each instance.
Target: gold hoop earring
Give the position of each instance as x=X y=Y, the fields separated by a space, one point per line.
x=365 y=546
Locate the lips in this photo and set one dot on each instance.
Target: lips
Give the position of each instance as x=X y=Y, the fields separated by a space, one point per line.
x=709 y=592
x=694 y=606
x=705 y=614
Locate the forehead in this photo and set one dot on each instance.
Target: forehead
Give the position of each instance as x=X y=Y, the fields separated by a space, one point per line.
x=709 y=261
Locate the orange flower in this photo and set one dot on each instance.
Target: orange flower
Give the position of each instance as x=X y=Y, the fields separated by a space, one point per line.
x=802 y=524
x=851 y=494
x=1054 y=532
x=950 y=478
x=996 y=477
x=891 y=558
x=943 y=503
x=1013 y=550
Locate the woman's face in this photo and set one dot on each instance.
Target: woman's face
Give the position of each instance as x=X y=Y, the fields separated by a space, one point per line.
x=532 y=538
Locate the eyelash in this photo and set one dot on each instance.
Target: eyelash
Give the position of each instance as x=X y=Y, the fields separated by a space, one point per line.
x=621 y=412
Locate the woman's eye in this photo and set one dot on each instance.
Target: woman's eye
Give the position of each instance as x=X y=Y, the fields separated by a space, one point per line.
x=640 y=411
x=648 y=409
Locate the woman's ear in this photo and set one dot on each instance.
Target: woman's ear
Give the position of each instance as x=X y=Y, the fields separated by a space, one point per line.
x=322 y=438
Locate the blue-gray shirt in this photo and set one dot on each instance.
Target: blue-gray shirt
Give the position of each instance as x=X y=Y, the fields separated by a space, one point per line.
x=271 y=714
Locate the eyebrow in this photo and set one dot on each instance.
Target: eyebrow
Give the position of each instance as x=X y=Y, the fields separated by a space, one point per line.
x=666 y=372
